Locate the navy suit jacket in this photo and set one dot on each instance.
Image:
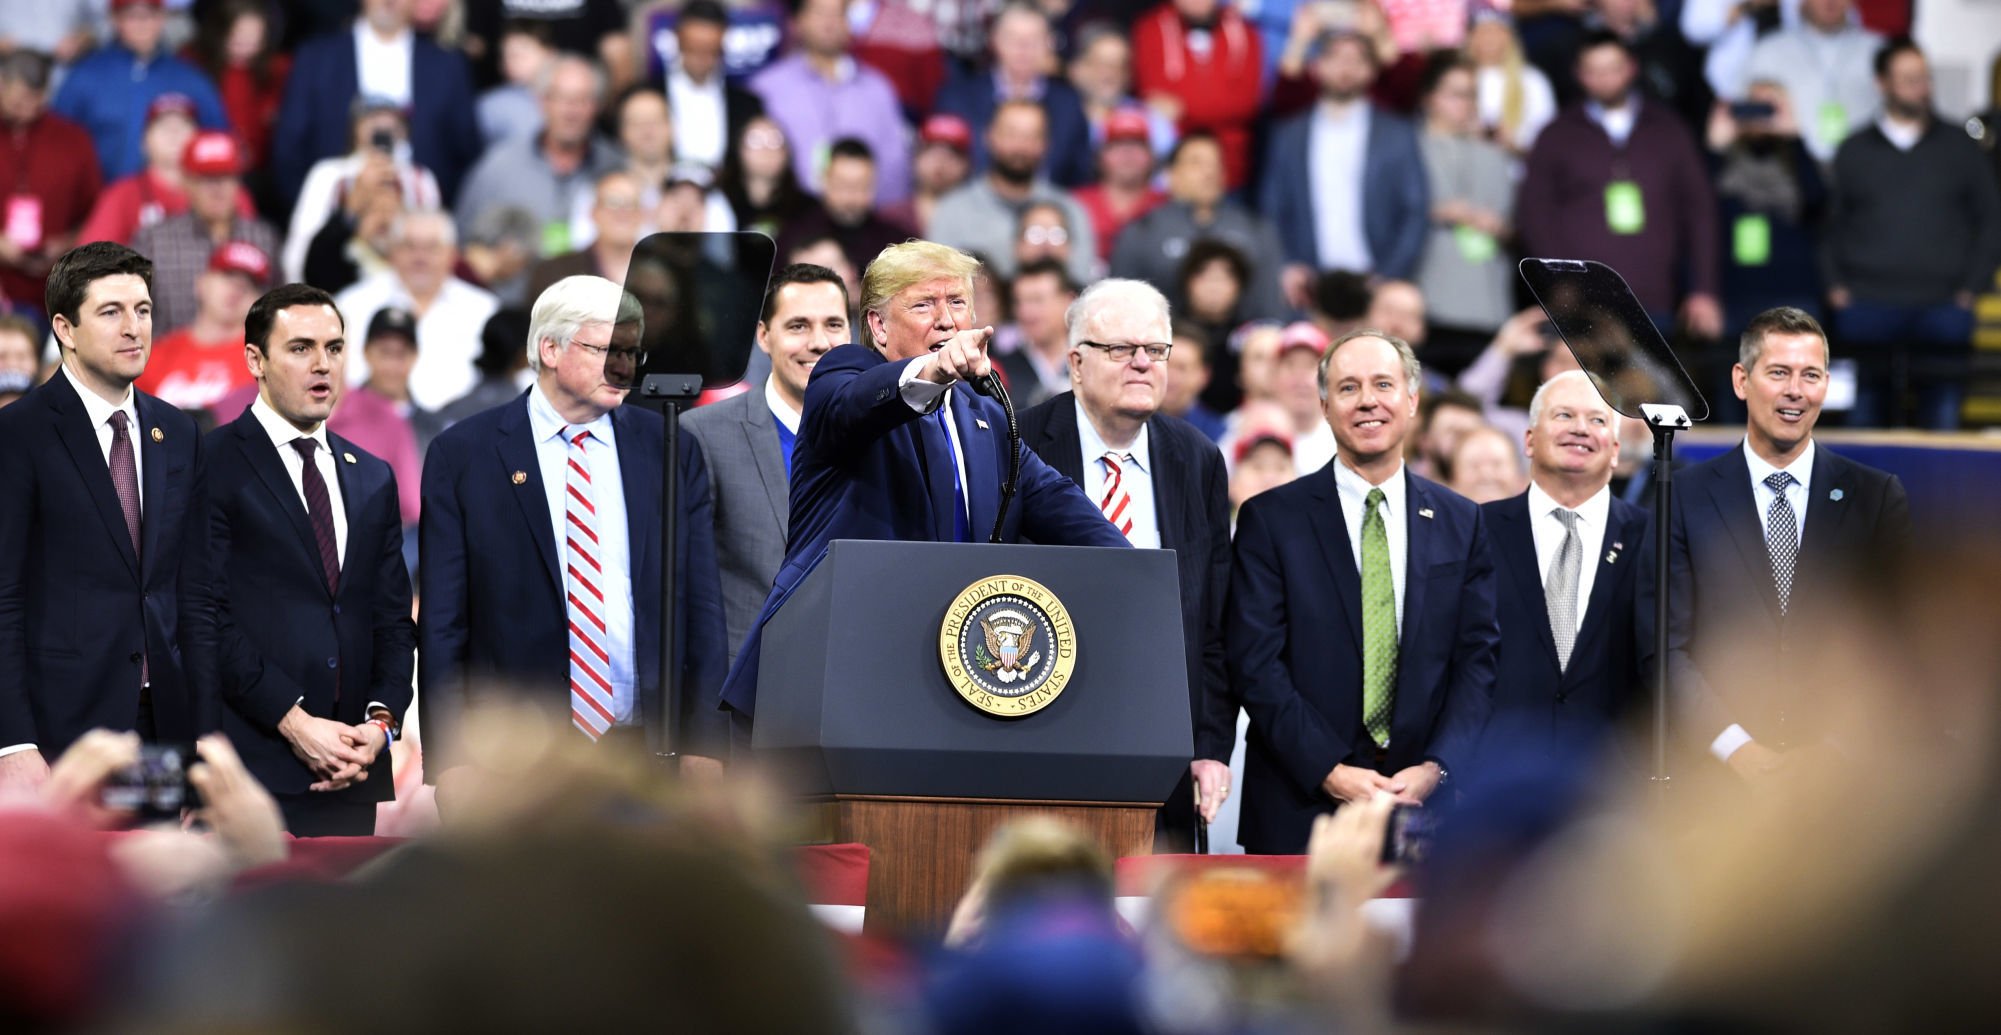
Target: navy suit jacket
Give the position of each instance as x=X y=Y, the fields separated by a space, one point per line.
x=1071 y=160
x=77 y=607
x=271 y=633
x=1294 y=637
x=314 y=119
x=1396 y=195
x=1540 y=708
x=1722 y=597
x=859 y=471
x=493 y=597
x=1191 y=499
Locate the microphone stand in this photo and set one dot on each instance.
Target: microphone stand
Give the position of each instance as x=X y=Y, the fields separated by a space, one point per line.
x=991 y=387
x=1663 y=421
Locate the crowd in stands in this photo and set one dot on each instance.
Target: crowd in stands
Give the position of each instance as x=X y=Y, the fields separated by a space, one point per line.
x=1275 y=164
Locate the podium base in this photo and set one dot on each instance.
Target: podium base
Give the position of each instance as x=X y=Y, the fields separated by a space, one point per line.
x=921 y=849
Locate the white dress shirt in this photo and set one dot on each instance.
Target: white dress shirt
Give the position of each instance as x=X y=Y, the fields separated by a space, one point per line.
x=382 y=68
x=925 y=396
x=1136 y=478
x=552 y=456
x=1353 y=491
x=100 y=413
x=779 y=407
x=1336 y=143
x=701 y=118
x=1548 y=532
x=283 y=434
x=447 y=334
x=1616 y=122
x=1727 y=742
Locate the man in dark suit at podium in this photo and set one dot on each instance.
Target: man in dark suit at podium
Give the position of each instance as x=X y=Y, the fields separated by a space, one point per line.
x=1573 y=575
x=541 y=544
x=1161 y=483
x=1360 y=630
x=308 y=647
x=99 y=483
x=1762 y=538
x=889 y=449
x=748 y=439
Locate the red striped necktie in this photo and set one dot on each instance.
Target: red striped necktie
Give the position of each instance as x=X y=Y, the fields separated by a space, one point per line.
x=1117 y=502
x=590 y=665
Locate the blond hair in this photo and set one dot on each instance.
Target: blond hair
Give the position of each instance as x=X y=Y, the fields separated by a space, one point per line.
x=901 y=266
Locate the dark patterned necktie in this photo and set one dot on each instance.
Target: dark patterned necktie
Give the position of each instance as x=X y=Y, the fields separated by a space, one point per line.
x=320 y=510
x=1782 y=537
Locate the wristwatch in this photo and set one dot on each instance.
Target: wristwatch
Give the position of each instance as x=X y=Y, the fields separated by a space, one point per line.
x=388 y=721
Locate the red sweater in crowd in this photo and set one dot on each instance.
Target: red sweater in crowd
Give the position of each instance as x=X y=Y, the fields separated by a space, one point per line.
x=252 y=104
x=1218 y=84
x=48 y=181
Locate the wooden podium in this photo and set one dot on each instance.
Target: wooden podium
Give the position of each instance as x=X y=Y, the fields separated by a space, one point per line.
x=856 y=714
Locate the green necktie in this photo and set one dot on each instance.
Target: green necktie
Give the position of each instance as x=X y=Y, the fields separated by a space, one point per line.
x=1379 y=624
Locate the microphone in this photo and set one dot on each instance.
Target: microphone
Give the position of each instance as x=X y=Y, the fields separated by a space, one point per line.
x=990 y=385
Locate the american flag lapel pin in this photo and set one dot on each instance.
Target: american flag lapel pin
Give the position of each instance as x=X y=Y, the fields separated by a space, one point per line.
x=349 y=457
x=980 y=423
x=1425 y=513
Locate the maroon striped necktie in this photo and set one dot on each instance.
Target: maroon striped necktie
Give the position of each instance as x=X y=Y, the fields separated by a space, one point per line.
x=320 y=509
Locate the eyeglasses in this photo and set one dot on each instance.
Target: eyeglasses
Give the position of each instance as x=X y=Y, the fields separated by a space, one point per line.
x=763 y=140
x=1156 y=351
x=612 y=353
x=1041 y=235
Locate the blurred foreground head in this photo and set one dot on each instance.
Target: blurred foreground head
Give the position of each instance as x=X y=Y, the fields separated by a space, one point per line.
x=574 y=891
x=1851 y=890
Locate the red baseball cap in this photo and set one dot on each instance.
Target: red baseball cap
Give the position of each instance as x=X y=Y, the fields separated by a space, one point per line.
x=171 y=104
x=1258 y=438
x=1127 y=124
x=946 y=129
x=242 y=257
x=211 y=153
x=118 y=5
x=1301 y=334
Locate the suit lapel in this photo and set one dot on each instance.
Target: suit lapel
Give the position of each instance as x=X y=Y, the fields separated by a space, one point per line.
x=638 y=473
x=1827 y=507
x=1620 y=535
x=355 y=488
x=270 y=467
x=1061 y=446
x=73 y=427
x=516 y=447
x=1330 y=530
x=153 y=460
x=1730 y=493
x=1169 y=470
x=982 y=476
x=761 y=431
x=1419 y=537
x=1514 y=538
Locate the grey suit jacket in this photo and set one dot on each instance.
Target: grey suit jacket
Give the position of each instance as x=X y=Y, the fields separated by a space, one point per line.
x=747 y=481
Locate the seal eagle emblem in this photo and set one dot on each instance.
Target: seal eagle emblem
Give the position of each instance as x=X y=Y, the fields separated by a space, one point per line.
x=1008 y=646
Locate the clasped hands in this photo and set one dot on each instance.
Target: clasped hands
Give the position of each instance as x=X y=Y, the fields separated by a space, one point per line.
x=337 y=753
x=1351 y=784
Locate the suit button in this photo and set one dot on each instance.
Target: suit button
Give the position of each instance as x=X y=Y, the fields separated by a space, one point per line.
x=333 y=662
x=136 y=657
x=336 y=609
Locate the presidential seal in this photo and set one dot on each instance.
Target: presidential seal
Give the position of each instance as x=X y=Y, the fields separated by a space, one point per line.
x=1008 y=646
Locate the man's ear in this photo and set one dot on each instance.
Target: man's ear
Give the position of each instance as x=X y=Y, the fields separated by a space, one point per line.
x=877 y=331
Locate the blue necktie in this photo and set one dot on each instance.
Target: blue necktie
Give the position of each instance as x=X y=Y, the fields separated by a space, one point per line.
x=961 y=528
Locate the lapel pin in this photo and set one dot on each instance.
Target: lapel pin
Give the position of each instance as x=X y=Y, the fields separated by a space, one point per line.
x=1616 y=547
x=982 y=424
x=1425 y=513
x=521 y=477
x=1835 y=495
x=158 y=435
x=1611 y=557
x=349 y=457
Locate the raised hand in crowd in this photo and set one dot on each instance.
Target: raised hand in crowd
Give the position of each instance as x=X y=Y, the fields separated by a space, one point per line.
x=78 y=777
x=244 y=816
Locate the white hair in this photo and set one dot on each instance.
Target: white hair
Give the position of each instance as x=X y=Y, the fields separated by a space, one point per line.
x=1136 y=298
x=571 y=303
x=399 y=228
x=547 y=78
x=1535 y=402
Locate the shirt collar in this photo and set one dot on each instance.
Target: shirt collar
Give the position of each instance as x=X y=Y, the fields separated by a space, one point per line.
x=1353 y=485
x=779 y=407
x=549 y=425
x=1595 y=511
x=680 y=80
x=367 y=37
x=1801 y=468
x=101 y=411
x=282 y=433
x=1094 y=445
